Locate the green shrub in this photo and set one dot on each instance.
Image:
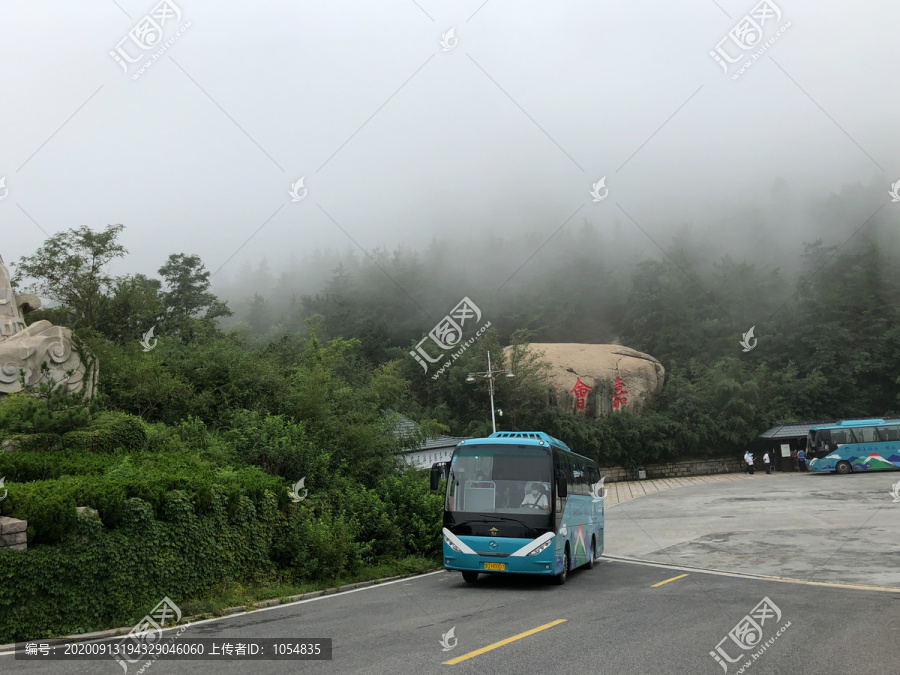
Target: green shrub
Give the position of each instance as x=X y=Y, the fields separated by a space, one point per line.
x=101 y=578
x=45 y=503
x=42 y=442
x=313 y=543
x=109 y=432
x=373 y=524
x=279 y=446
x=21 y=467
x=417 y=512
x=26 y=414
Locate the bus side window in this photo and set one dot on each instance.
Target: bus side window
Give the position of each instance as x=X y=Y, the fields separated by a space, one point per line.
x=866 y=434
x=887 y=433
x=577 y=476
x=585 y=478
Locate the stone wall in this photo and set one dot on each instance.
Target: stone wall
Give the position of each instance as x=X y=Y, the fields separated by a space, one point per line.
x=12 y=534
x=703 y=467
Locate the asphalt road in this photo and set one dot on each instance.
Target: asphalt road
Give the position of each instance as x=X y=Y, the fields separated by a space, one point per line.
x=613 y=620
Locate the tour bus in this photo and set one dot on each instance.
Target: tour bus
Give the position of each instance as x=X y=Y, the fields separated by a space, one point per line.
x=521 y=503
x=854 y=445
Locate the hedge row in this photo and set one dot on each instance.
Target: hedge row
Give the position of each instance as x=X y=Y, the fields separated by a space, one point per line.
x=96 y=578
x=103 y=578
x=107 y=432
x=49 y=505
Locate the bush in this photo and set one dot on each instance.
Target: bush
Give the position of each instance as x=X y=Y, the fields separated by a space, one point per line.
x=313 y=543
x=109 y=432
x=186 y=555
x=279 y=446
x=21 y=467
x=25 y=414
x=45 y=503
x=417 y=512
x=372 y=522
x=35 y=442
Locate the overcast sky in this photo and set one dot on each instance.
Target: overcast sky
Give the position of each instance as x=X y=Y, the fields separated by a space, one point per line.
x=503 y=128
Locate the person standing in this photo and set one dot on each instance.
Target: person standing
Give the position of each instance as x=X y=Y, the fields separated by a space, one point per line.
x=749 y=458
x=766 y=461
x=795 y=459
x=801 y=457
x=746 y=461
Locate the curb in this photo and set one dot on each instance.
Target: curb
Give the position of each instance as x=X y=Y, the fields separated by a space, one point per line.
x=116 y=632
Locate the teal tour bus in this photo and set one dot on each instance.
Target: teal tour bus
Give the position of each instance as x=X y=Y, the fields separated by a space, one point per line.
x=520 y=503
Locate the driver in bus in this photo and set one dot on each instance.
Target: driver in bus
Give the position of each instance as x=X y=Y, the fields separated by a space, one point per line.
x=536 y=498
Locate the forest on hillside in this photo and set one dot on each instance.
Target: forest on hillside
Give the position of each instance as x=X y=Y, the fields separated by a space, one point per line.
x=826 y=325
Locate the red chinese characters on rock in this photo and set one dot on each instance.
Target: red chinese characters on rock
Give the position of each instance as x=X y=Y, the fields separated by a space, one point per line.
x=618 y=397
x=580 y=390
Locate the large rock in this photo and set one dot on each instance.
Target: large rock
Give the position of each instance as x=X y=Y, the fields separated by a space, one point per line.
x=601 y=379
x=23 y=349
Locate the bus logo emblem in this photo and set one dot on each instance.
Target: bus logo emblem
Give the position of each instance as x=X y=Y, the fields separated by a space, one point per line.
x=493 y=544
x=493 y=531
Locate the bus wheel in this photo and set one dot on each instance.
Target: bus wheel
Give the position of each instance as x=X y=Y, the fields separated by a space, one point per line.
x=592 y=554
x=470 y=576
x=843 y=467
x=560 y=578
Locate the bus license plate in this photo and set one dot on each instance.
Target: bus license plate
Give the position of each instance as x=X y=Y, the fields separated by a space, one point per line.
x=495 y=566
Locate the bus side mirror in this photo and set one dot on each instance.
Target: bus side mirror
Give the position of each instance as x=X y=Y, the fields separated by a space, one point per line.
x=438 y=471
x=562 y=489
x=435 y=477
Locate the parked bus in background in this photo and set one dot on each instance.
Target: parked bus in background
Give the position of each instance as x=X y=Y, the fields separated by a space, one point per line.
x=520 y=503
x=854 y=445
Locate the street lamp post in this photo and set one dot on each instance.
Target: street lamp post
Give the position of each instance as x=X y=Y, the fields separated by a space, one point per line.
x=489 y=374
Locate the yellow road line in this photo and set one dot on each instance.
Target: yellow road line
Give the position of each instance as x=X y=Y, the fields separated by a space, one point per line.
x=680 y=576
x=503 y=642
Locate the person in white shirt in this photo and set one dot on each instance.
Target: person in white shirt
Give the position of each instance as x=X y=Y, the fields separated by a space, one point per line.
x=766 y=461
x=536 y=499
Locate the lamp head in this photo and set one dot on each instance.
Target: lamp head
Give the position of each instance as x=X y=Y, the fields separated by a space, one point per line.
x=510 y=375
x=470 y=379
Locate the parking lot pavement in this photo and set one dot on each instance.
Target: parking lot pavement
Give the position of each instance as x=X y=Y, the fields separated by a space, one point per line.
x=817 y=527
x=622 y=491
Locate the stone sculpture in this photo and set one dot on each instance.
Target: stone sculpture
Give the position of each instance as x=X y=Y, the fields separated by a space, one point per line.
x=25 y=348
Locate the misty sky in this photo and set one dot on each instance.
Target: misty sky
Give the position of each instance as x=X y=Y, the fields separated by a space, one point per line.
x=400 y=140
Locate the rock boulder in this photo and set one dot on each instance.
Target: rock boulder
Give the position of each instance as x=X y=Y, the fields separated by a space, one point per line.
x=599 y=380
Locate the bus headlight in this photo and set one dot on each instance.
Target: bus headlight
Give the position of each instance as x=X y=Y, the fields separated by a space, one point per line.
x=541 y=547
x=452 y=546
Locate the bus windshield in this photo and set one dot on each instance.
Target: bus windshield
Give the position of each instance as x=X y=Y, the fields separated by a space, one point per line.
x=500 y=479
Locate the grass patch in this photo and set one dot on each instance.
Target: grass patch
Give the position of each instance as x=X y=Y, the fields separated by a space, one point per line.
x=235 y=594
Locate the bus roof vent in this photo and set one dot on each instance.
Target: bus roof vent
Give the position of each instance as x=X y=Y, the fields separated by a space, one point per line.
x=532 y=436
x=858 y=423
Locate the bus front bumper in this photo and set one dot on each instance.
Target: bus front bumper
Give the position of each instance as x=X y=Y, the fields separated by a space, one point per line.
x=500 y=561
